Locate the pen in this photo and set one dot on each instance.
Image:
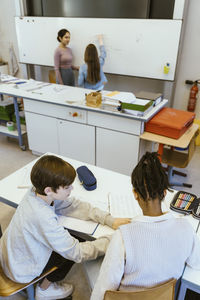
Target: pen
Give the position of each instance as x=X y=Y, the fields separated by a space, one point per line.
x=23 y=186
x=37 y=93
x=20 y=82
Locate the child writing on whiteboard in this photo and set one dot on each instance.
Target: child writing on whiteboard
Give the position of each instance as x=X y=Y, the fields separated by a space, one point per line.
x=34 y=241
x=155 y=246
x=91 y=75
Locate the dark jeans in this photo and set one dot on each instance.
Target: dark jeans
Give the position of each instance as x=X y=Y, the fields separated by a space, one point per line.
x=64 y=265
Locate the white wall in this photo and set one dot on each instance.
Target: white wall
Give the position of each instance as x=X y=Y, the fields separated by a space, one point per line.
x=7 y=30
x=189 y=67
x=190 y=58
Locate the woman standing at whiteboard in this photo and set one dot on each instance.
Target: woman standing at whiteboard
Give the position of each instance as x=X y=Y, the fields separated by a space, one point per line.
x=91 y=75
x=63 y=60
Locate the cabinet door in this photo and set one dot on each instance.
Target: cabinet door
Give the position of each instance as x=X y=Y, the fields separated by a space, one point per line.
x=116 y=151
x=77 y=141
x=42 y=133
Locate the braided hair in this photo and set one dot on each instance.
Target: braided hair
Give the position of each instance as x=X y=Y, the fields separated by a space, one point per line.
x=149 y=178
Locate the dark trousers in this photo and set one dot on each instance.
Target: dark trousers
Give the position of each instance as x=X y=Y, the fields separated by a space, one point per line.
x=64 y=265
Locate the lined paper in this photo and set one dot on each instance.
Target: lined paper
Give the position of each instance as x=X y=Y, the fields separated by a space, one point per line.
x=123 y=206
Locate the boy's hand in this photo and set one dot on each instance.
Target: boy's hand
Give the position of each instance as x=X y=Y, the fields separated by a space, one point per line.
x=120 y=221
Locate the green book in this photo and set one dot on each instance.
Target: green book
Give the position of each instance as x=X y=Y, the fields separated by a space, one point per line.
x=138 y=105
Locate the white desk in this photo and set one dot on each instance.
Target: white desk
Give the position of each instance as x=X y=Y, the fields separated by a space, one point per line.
x=97 y=136
x=107 y=181
x=190 y=279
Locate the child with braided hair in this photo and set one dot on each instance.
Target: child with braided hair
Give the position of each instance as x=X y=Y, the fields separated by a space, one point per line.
x=155 y=246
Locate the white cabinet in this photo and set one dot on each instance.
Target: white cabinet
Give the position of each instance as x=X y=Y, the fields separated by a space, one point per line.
x=42 y=133
x=110 y=141
x=116 y=151
x=76 y=141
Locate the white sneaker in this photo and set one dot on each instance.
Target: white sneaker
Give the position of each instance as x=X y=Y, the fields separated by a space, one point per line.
x=54 y=291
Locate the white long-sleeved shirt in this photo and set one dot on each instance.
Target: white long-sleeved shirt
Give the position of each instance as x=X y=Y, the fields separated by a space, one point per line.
x=158 y=250
x=34 y=233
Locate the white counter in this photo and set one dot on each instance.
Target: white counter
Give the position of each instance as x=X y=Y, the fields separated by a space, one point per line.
x=59 y=121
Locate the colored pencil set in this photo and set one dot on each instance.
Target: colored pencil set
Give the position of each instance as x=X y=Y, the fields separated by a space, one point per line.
x=186 y=203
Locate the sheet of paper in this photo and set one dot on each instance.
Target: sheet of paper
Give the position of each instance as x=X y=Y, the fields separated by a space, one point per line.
x=112 y=94
x=101 y=204
x=103 y=231
x=122 y=96
x=141 y=102
x=123 y=206
x=88 y=227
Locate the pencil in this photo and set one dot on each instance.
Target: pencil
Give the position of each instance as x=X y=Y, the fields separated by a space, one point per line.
x=23 y=186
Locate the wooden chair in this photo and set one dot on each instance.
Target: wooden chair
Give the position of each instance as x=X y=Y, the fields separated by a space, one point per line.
x=9 y=287
x=52 y=76
x=160 y=292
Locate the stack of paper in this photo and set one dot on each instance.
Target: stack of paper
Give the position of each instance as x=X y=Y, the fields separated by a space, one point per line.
x=114 y=98
x=127 y=102
x=155 y=97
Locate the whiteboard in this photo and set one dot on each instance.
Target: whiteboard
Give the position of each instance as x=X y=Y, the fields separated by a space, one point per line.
x=135 y=47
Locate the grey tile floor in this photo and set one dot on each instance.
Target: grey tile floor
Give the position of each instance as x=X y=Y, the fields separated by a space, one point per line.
x=12 y=158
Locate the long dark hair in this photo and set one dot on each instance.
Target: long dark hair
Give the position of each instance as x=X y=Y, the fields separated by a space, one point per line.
x=149 y=178
x=92 y=60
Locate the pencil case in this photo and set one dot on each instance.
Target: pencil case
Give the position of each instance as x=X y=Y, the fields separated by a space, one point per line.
x=186 y=203
x=87 y=178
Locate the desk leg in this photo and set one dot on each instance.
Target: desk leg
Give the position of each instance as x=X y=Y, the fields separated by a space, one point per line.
x=22 y=146
x=182 y=291
x=30 y=292
x=171 y=182
x=187 y=285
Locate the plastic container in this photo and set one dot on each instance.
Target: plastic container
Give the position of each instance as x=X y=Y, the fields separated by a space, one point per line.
x=10 y=126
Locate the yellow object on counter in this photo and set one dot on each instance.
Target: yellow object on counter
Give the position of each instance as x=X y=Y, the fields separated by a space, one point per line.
x=197 y=141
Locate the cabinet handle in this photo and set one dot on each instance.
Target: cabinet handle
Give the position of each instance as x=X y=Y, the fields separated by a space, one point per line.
x=75 y=114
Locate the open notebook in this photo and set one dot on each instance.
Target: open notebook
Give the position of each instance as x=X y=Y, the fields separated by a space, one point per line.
x=123 y=205
x=88 y=227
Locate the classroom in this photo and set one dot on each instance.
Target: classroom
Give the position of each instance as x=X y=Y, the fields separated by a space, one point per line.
x=151 y=52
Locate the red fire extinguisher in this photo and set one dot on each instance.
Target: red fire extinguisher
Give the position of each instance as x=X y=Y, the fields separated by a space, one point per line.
x=193 y=96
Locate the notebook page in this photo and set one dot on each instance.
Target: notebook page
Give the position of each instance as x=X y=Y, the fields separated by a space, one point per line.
x=103 y=230
x=79 y=225
x=123 y=206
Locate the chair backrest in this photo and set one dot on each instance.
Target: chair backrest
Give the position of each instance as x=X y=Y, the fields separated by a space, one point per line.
x=52 y=76
x=160 y=292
